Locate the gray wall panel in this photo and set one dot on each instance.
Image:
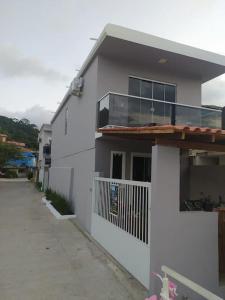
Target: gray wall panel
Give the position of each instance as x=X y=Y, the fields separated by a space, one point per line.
x=104 y=148
x=113 y=76
x=184 y=241
x=77 y=148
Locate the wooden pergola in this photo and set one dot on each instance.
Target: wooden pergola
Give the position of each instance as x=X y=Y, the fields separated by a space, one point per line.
x=184 y=137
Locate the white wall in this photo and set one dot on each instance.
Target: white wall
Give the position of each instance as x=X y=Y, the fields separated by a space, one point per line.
x=127 y=250
x=104 y=148
x=81 y=120
x=60 y=180
x=113 y=76
x=77 y=149
x=41 y=174
x=185 y=241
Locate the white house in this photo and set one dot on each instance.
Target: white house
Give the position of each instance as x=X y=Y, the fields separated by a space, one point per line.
x=121 y=154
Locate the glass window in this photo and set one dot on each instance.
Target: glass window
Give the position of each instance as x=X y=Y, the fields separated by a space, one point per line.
x=152 y=90
x=146 y=89
x=170 y=93
x=134 y=86
x=158 y=91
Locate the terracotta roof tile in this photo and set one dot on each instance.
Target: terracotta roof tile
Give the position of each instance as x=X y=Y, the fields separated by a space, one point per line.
x=164 y=128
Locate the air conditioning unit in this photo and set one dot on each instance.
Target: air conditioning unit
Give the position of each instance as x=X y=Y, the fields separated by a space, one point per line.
x=77 y=86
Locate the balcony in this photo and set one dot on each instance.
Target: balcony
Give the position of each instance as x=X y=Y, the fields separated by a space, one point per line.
x=131 y=111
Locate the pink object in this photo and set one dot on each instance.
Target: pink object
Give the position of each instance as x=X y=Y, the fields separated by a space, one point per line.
x=172 y=289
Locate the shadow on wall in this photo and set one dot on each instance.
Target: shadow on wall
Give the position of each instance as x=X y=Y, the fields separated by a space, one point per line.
x=201 y=183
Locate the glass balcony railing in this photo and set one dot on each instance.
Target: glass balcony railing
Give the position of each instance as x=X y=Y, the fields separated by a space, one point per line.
x=125 y=110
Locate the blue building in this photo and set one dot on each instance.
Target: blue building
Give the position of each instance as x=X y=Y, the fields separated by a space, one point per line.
x=27 y=160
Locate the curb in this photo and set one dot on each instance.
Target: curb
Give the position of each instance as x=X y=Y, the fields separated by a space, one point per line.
x=14 y=180
x=55 y=213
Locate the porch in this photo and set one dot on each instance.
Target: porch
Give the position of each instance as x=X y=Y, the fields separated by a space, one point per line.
x=142 y=235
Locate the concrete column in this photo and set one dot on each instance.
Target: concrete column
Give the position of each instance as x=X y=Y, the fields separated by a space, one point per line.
x=164 y=204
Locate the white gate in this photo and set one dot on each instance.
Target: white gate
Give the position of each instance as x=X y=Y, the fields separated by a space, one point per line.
x=121 y=223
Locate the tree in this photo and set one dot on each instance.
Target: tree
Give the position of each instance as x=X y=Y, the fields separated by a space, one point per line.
x=8 y=152
x=25 y=121
x=20 y=131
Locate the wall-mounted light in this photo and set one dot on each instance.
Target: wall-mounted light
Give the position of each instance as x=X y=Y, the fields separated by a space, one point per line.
x=162 y=60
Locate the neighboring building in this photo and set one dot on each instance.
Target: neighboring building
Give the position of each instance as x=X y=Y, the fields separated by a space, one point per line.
x=3 y=138
x=44 y=156
x=27 y=160
x=127 y=169
x=17 y=144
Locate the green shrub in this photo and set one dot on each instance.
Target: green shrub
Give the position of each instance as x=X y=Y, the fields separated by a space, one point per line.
x=11 y=174
x=38 y=186
x=29 y=175
x=59 y=202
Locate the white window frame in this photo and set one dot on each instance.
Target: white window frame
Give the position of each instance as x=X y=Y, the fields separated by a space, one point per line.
x=123 y=162
x=137 y=154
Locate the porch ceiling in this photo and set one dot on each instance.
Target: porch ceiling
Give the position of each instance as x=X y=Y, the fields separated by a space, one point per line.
x=171 y=135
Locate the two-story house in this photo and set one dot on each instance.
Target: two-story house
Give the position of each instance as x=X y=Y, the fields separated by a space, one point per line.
x=121 y=141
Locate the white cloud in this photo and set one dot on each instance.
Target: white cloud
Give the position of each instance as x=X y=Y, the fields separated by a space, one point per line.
x=53 y=36
x=14 y=64
x=213 y=92
x=36 y=114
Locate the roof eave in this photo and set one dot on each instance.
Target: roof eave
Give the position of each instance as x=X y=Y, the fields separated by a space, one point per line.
x=144 y=39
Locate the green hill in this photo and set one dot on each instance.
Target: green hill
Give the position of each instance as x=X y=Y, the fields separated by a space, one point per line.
x=20 y=131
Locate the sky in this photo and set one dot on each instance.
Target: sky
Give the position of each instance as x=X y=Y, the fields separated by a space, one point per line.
x=44 y=42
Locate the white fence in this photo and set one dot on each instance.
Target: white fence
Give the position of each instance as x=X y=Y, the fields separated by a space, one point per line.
x=121 y=223
x=125 y=204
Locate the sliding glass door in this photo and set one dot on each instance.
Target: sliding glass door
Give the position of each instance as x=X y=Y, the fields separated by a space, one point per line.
x=146 y=112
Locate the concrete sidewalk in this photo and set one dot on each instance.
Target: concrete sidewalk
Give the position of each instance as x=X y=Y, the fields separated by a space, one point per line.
x=43 y=258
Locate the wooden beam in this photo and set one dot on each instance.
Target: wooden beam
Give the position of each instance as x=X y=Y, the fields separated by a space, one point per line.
x=190 y=145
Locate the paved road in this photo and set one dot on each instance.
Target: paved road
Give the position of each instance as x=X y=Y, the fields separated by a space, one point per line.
x=43 y=258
